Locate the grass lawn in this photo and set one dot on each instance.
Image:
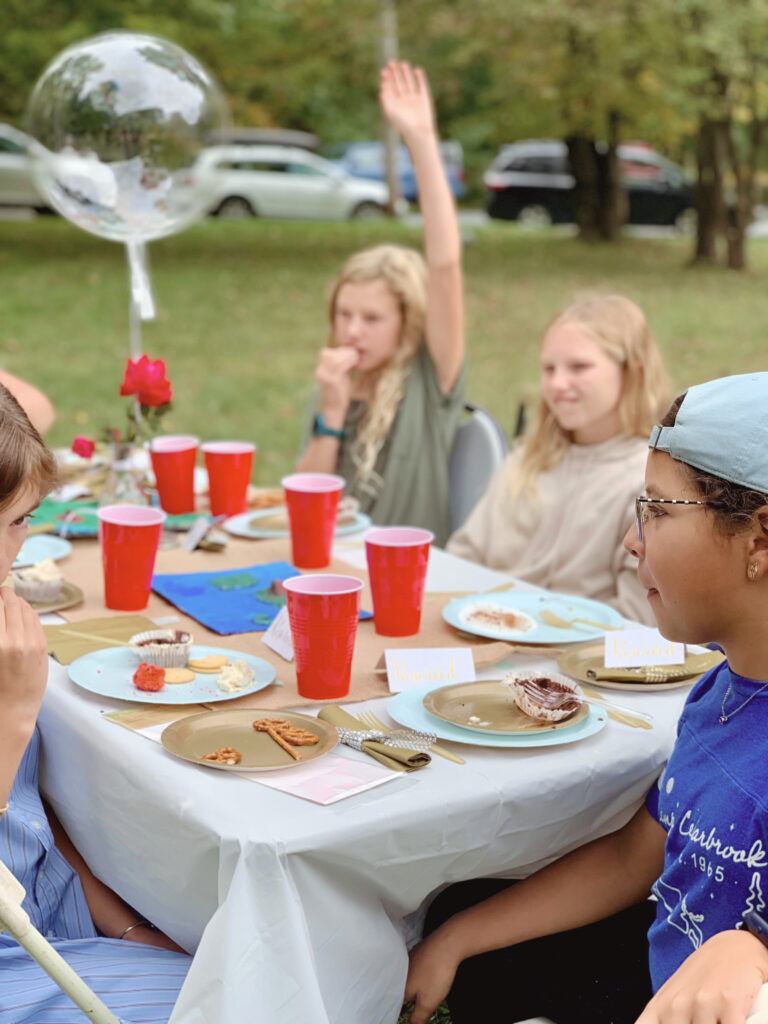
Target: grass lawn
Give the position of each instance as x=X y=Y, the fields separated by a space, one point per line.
x=241 y=315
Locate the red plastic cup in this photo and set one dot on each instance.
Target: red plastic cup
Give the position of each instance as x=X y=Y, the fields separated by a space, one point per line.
x=173 y=463
x=129 y=536
x=313 y=503
x=323 y=611
x=229 y=465
x=397 y=566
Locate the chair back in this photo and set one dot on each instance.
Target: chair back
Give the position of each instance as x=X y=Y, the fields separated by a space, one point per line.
x=478 y=449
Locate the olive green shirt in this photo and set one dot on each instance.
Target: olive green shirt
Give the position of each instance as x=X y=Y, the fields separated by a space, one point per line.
x=409 y=485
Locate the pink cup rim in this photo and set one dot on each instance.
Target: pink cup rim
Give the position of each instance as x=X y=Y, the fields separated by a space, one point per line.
x=173 y=443
x=228 y=447
x=323 y=584
x=313 y=483
x=398 y=536
x=131 y=515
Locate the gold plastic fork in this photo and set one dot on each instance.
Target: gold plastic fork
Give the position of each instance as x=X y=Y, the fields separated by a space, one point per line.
x=368 y=718
x=554 y=620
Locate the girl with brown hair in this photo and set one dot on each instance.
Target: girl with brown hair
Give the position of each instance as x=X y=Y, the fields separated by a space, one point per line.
x=134 y=968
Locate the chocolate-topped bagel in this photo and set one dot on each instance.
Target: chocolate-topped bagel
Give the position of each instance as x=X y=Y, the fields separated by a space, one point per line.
x=545 y=697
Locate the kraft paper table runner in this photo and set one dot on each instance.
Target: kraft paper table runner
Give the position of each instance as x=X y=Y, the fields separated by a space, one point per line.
x=83 y=567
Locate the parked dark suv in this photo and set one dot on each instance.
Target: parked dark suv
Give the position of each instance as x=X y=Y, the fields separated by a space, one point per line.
x=531 y=182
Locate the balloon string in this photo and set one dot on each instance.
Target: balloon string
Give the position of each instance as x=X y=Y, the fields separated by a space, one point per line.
x=141 y=288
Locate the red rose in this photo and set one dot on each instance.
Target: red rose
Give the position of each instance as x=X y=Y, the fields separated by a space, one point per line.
x=146 y=379
x=83 y=446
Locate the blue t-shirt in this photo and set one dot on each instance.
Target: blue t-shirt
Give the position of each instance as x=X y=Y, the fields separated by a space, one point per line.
x=712 y=799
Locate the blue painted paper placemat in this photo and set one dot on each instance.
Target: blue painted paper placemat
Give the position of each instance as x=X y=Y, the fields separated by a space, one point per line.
x=230 y=601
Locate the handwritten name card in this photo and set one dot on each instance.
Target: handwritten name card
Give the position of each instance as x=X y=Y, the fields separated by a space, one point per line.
x=278 y=636
x=629 y=648
x=407 y=669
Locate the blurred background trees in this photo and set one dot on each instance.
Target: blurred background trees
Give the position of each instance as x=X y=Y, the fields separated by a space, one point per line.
x=687 y=76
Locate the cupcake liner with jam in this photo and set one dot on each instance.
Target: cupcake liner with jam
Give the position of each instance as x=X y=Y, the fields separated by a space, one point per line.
x=169 y=648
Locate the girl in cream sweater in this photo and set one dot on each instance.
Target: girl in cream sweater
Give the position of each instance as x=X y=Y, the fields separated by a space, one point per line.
x=557 y=509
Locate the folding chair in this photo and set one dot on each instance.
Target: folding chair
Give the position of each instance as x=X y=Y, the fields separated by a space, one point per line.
x=479 y=447
x=17 y=923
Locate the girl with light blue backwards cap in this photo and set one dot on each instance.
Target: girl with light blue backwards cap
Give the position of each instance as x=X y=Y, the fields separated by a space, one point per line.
x=700 y=842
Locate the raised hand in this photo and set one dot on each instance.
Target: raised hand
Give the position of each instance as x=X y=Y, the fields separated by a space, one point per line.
x=333 y=374
x=406 y=99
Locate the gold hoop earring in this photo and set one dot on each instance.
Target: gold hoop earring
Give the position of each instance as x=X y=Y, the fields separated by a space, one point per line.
x=752 y=571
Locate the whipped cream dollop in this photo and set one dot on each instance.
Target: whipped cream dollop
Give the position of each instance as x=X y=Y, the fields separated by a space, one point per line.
x=235 y=677
x=43 y=572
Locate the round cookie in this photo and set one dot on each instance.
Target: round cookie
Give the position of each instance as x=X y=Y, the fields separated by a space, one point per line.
x=210 y=663
x=179 y=675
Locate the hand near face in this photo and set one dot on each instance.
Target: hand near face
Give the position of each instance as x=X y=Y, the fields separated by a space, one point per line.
x=718 y=982
x=333 y=374
x=406 y=100
x=23 y=656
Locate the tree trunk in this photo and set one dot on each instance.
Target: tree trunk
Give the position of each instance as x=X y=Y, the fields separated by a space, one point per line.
x=709 y=192
x=581 y=156
x=599 y=197
x=612 y=197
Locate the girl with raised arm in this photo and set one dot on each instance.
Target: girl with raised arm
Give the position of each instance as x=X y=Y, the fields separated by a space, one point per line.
x=391 y=380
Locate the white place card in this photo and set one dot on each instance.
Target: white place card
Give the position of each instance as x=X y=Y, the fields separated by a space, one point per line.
x=408 y=668
x=630 y=648
x=278 y=636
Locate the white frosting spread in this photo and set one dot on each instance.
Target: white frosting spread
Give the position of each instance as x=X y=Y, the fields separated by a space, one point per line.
x=235 y=677
x=44 y=572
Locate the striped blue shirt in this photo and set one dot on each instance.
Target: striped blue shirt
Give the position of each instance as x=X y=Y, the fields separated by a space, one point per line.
x=138 y=983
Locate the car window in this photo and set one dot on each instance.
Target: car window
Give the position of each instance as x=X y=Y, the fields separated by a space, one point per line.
x=6 y=146
x=251 y=165
x=306 y=170
x=538 y=164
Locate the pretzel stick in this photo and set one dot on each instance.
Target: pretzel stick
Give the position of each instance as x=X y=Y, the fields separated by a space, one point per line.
x=284 y=744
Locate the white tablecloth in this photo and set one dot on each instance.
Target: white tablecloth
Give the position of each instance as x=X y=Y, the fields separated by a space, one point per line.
x=299 y=913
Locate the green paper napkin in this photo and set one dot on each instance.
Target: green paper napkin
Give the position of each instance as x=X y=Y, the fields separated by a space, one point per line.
x=395 y=758
x=694 y=665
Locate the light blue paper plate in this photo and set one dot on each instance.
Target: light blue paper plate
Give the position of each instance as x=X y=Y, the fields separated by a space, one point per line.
x=241 y=526
x=110 y=674
x=531 y=604
x=35 y=549
x=407 y=709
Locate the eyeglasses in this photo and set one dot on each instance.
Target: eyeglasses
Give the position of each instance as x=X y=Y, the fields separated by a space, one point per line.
x=643 y=514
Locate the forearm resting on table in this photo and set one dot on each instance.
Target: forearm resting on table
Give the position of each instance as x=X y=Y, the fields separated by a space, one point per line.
x=593 y=882
x=111 y=915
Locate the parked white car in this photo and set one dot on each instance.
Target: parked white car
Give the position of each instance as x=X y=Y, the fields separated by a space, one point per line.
x=17 y=186
x=284 y=181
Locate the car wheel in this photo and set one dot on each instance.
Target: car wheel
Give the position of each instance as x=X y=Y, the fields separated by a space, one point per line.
x=535 y=216
x=368 y=211
x=686 y=221
x=235 y=208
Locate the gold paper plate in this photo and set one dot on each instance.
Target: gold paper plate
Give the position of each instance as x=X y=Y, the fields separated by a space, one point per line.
x=69 y=596
x=492 y=703
x=190 y=738
x=591 y=655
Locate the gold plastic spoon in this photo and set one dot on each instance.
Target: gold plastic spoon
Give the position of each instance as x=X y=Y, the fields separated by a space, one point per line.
x=554 y=620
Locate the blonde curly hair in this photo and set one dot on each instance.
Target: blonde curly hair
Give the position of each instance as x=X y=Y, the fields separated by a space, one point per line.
x=619 y=327
x=404 y=272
